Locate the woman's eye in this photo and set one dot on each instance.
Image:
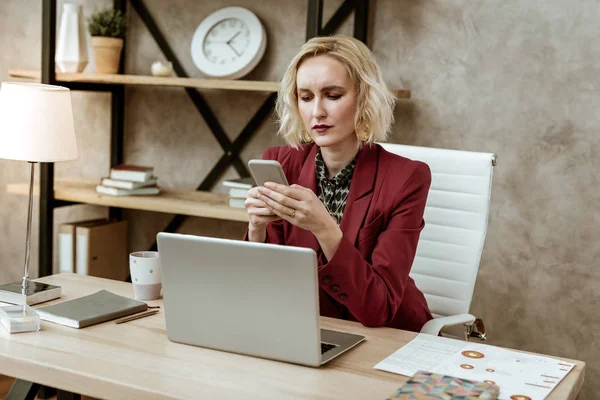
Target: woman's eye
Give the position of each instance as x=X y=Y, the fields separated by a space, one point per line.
x=334 y=96
x=306 y=98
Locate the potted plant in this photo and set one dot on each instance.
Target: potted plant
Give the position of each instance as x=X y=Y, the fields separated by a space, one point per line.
x=107 y=28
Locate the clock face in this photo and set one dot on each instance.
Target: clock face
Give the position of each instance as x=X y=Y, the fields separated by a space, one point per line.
x=227 y=41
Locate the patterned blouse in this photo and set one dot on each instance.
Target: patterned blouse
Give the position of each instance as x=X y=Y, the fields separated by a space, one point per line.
x=334 y=192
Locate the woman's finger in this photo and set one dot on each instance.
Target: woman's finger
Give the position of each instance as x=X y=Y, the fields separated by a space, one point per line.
x=281 y=215
x=252 y=202
x=277 y=207
x=253 y=192
x=295 y=192
x=280 y=198
x=261 y=211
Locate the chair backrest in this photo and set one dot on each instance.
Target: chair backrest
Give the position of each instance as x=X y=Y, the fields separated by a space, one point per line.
x=456 y=219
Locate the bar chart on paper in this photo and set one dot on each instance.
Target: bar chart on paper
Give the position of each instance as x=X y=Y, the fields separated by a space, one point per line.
x=519 y=376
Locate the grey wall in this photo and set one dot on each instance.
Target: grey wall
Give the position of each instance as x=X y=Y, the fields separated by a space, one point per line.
x=514 y=77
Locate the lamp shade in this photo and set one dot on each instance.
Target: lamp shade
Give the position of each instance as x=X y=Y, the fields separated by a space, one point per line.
x=36 y=123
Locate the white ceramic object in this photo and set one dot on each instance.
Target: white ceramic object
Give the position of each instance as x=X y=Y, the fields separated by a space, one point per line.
x=160 y=68
x=228 y=43
x=71 y=46
x=144 y=267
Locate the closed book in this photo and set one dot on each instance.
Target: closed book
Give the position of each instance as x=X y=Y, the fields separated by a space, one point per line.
x=128 y=172
x=128 y=184
x=101 y=250
x=89 y=310
x=144 y=191
x=237 y=203
x=241 y=183
x=238 y=193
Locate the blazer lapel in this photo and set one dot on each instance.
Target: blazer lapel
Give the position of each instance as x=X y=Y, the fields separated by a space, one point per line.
x=361 y=192
x=307 y=179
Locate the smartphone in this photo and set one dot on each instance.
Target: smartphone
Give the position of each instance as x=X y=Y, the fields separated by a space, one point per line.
x=267 y=171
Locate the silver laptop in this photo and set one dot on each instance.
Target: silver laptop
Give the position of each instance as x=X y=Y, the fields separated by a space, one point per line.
x=249 y=298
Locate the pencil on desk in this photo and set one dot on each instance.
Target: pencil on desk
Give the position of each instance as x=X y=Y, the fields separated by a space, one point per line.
x=137 y=316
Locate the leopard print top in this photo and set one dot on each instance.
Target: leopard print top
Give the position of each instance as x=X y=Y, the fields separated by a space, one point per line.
x=334 y=192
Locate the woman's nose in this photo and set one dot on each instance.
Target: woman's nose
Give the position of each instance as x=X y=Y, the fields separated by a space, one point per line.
x=318 y=109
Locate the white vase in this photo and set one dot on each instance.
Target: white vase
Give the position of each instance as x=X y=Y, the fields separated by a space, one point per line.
x=71 y=46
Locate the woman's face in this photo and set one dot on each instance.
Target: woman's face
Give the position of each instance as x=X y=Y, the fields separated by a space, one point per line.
x=327 y=101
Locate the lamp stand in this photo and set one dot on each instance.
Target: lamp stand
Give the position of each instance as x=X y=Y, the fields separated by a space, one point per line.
x=27 y=291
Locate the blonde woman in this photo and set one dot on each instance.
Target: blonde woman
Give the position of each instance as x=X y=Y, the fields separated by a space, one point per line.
x=358 y=206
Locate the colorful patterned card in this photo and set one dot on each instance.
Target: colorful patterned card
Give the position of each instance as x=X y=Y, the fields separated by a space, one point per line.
x=429 y=386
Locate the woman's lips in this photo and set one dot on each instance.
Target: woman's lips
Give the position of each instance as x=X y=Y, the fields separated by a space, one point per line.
x=321 y=128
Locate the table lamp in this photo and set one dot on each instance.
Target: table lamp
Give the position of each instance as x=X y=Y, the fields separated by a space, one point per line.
x=36 y=125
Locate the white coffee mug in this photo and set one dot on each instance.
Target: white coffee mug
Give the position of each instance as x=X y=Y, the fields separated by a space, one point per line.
x=144 y=267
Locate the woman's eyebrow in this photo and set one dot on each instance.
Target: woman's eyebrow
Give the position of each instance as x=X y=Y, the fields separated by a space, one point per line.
x=331 y=87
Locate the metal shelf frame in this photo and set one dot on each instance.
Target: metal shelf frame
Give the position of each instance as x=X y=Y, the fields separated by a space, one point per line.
x=231 y=149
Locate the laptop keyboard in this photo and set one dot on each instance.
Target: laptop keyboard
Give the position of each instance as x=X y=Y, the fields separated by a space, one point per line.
x=326 y=347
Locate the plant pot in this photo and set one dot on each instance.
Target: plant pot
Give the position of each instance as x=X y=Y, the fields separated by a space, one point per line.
x=107 y=52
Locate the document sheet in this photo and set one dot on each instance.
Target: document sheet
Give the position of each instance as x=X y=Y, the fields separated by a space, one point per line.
x=519 y=376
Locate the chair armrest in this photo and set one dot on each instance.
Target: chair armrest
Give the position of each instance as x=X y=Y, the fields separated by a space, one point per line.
x=434 y=326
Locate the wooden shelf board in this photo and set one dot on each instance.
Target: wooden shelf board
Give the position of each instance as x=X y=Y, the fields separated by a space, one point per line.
x=122 y=79
x=173 y=201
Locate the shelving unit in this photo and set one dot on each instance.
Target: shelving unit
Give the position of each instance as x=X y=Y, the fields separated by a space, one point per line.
x=199 y=202
x=145 y=80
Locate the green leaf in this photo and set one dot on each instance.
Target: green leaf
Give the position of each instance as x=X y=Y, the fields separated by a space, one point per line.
x=107 y=22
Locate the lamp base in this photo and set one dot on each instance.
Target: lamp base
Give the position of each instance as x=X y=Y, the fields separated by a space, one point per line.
x=36 y=292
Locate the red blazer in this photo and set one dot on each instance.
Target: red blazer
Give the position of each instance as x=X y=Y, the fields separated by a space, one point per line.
x=367 y=278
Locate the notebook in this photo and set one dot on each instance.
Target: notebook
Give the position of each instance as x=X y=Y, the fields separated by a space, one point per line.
x=89 y=310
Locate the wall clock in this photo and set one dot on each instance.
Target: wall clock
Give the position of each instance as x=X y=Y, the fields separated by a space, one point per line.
x=228 y=43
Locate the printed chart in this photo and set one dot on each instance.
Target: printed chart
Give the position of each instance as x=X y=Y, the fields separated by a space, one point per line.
x=519 y=376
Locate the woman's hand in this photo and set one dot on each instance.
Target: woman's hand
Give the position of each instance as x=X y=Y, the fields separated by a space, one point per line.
x=297 y=205
x=260 y=216
x=301 y=207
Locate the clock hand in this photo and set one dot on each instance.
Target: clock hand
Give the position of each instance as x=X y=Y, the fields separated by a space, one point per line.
x=233 y=48
x=234 y=36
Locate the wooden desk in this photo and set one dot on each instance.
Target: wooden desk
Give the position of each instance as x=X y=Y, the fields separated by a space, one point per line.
x=136 y=360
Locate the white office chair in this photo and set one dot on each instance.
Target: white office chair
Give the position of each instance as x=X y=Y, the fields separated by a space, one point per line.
x=450 y=246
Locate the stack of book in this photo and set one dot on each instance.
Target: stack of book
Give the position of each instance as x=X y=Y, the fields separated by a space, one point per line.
x=128 y=180
x=238 y=190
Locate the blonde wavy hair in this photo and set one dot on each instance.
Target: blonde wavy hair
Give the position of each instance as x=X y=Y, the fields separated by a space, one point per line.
x=375 y=102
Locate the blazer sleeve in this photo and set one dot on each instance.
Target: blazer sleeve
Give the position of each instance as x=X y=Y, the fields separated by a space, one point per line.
x=274 y=229
x=373 y=291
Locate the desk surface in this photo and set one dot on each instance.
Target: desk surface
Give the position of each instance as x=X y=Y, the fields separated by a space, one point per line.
x=136 y=360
